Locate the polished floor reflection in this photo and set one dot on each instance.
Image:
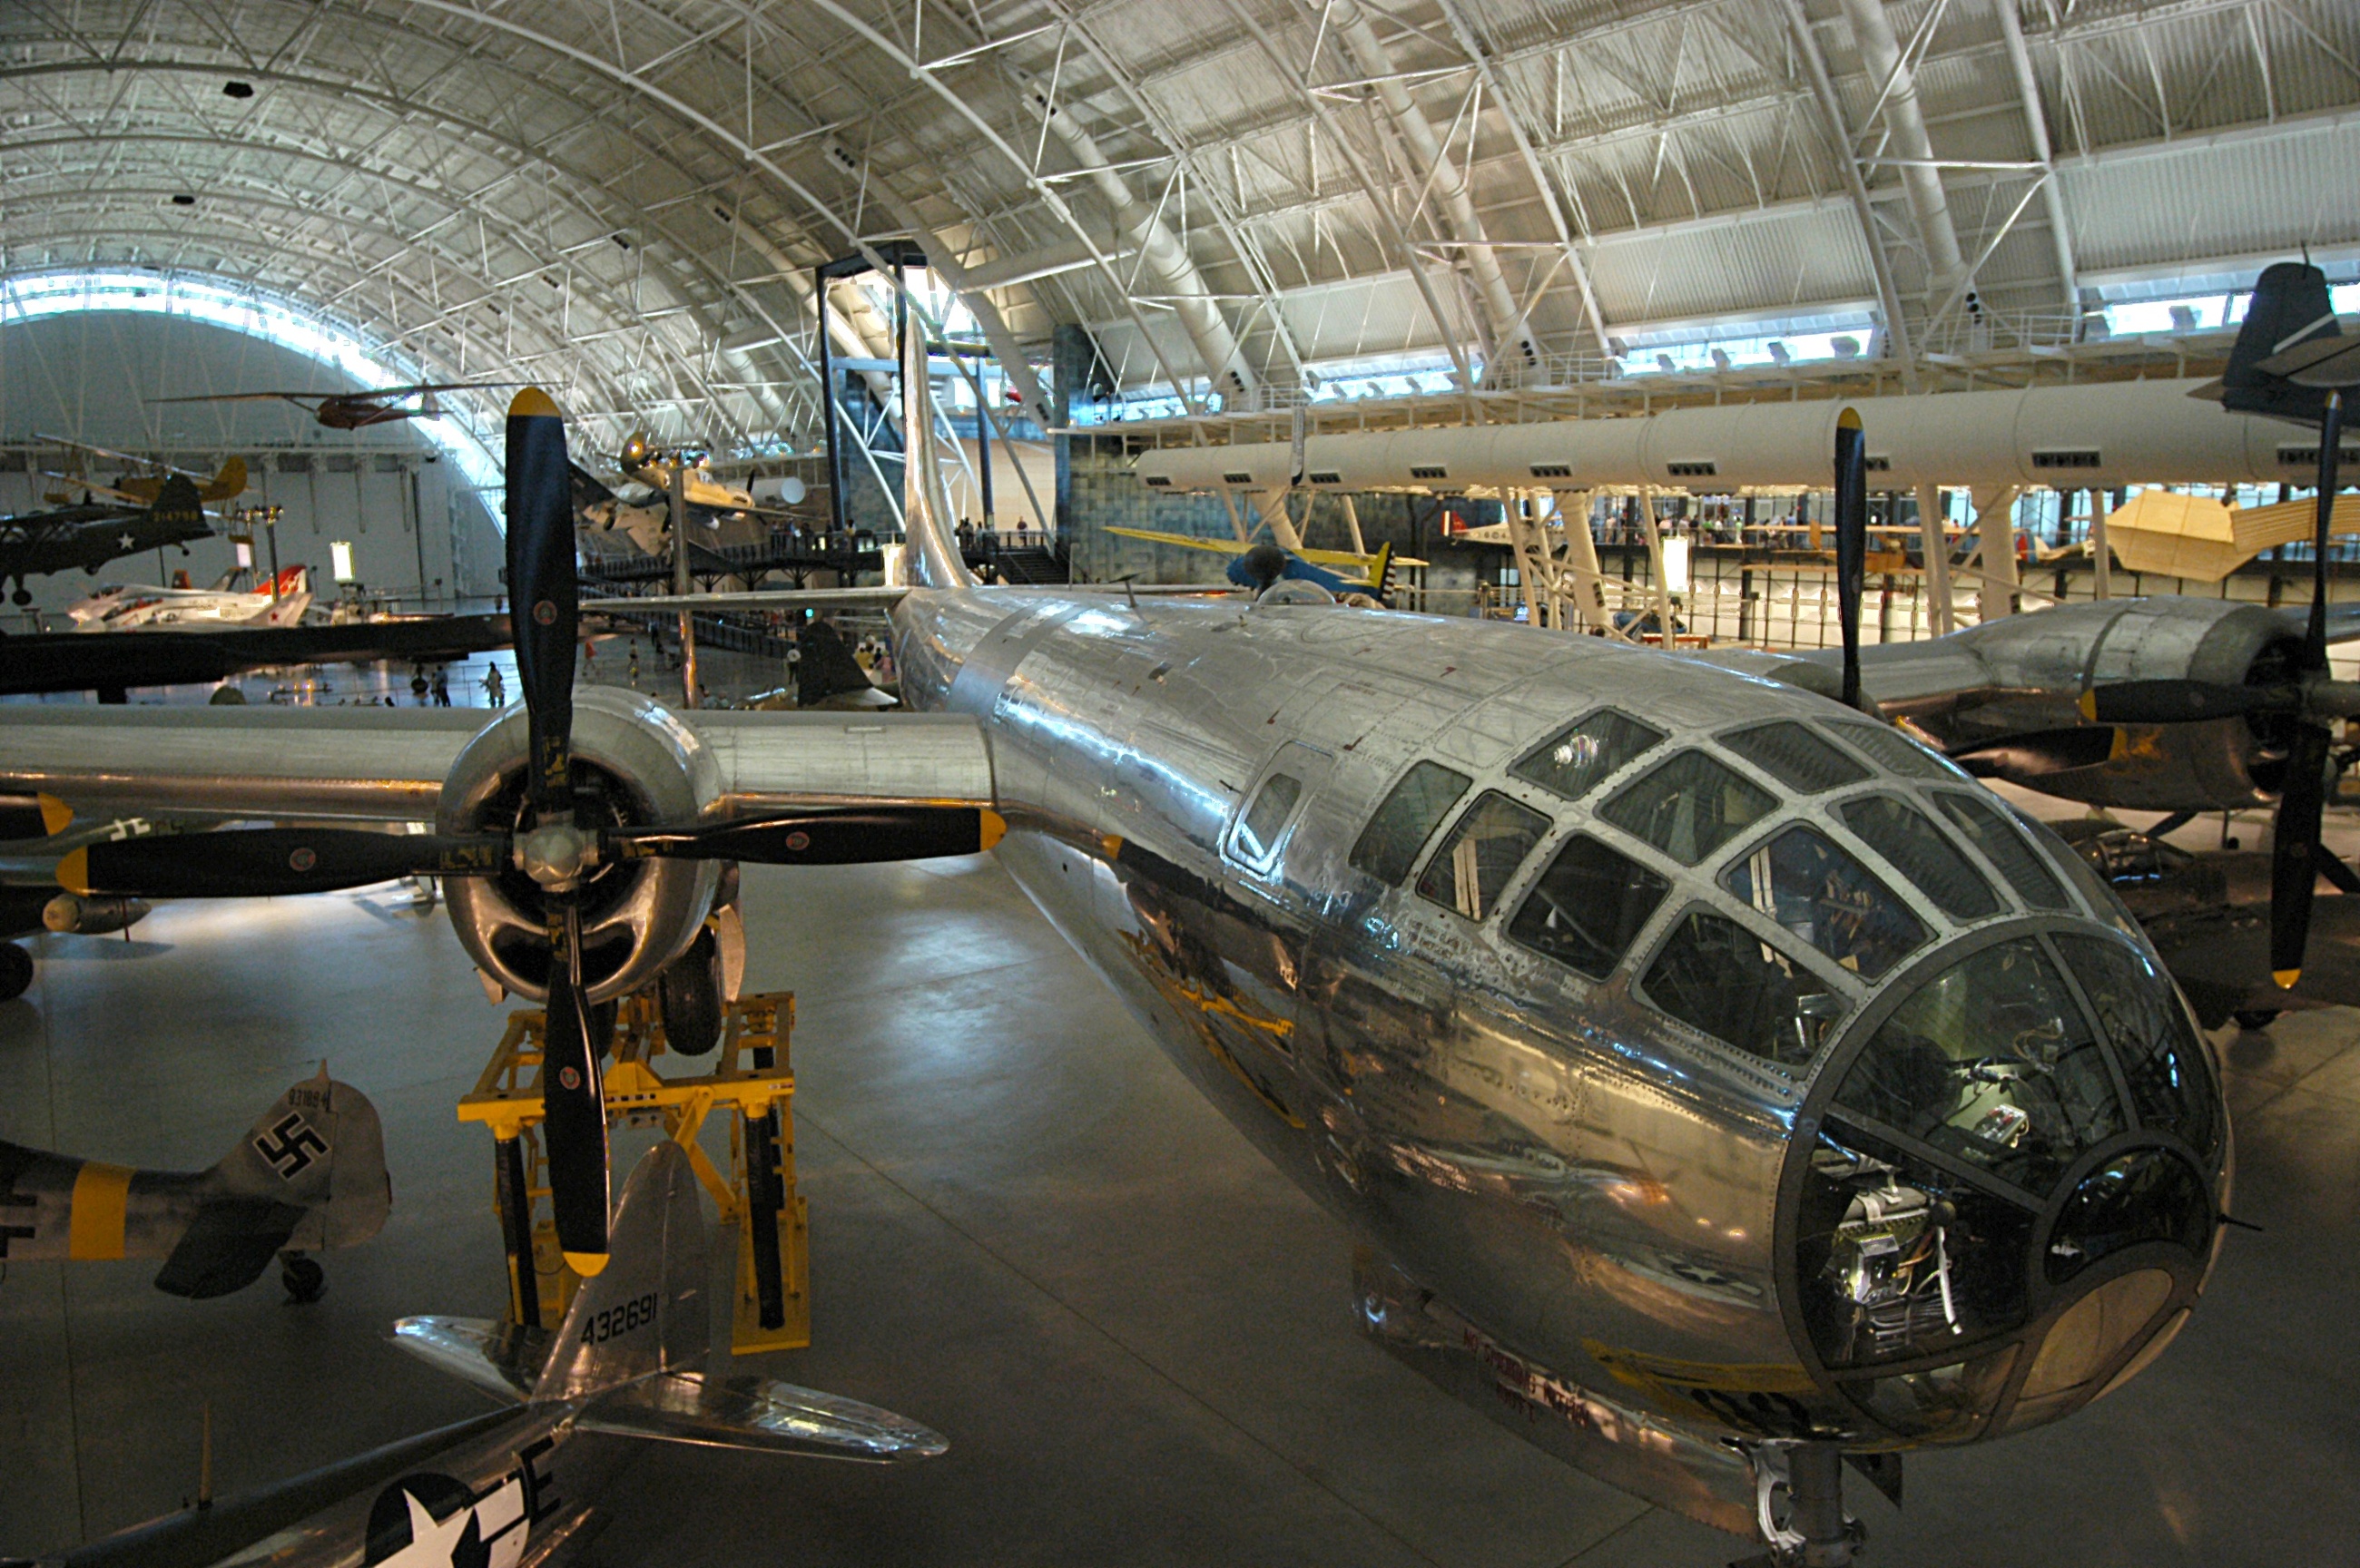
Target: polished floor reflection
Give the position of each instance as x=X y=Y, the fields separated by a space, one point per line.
x=1028 y=1234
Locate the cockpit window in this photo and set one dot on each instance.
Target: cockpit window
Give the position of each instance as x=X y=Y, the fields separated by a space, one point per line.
x=1587 y=907
x=1992 y=1063
x=1388 y=846
x=1794 y=757
x=1475 y=863
x=1822 y=894
x=1918 y=849
x=1897 y=753
x=2148 y=1030
x=1258 y=830
x=1572 y=763
x=2005 y=849
x=1689 y=807
x=1717 y=976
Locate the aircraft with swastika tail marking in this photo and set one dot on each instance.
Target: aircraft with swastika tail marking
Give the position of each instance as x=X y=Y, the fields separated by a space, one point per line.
x=309 y=1175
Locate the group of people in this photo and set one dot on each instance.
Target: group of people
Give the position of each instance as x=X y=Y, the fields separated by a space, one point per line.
x=972 y=535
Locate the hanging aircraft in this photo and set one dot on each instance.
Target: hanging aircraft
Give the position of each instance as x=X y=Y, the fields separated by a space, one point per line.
x=307 y=1176
x=143 y=478
x=356 y=410
x=510 y=1485
x=1720 y=1086
x=90 y=534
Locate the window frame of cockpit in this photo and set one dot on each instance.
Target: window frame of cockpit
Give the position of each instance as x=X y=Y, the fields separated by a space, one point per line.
x=2042 y=1297
x=1311 y=768
x=1715 y=900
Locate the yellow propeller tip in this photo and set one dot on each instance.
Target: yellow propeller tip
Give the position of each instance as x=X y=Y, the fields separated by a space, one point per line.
x=532 y=403
x=2286 y=977
x=55 y=814
x=1849 y=419
x=992 y=828
x=1112 y=845
x=2088 y=705
x=73 y=872
x=588 y=1265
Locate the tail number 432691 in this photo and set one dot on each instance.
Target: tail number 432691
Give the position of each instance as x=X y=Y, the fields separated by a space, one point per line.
x=619 y=1320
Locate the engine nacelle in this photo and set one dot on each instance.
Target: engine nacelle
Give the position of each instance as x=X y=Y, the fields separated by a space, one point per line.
x=2004 y=699
x=634 y=764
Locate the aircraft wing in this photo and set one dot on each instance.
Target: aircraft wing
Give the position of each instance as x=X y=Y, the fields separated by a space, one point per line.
x=776 y=599
x=81 y=661
x=389 y=763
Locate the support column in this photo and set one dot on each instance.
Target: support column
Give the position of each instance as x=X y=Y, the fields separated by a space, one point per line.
x=1531 y=555
x=1582 y=556
x=1656 y=565
x=2102 y=560
x=1935 y=539
x=679 y=583
x=1996 y=526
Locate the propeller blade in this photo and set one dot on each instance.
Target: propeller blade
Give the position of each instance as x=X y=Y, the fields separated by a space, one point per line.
x=2181 y=702
x=2294 y=852
x=2331 y=438
x=33 y=816
x=572 y=1102
x=1852 y=541
x=265 y=862
x=542 y=592
x=823 y=838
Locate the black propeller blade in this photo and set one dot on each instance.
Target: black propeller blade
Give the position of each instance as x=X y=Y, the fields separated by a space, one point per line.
x=267 y=862
x=2182 y=701
x=545 y=601
x=33 y=816
x=1852 y=541
x=822 y=838
x=2295 y=848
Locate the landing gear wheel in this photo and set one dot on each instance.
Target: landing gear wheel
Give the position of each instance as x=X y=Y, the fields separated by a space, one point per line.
x=21 y=597
x=16 y=970
x=305 y=1280
x=2250 y=1018
x=689 y=994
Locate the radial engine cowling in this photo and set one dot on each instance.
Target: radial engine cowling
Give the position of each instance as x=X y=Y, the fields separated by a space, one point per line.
x=2004 y=697
x=634 y=763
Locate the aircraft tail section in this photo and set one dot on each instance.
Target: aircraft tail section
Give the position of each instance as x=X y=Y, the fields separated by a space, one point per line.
x=2290 y=306
x=632 y=1349
x=935 y=562
x=179 y=505
x=309 y=1175
x=228 y=484
x=645 y=1312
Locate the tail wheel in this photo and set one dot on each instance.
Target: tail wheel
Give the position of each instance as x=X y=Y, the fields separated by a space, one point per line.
x=16 y=970
x=689 y=991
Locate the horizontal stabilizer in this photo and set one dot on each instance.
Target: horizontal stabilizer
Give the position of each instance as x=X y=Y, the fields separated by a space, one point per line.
x=226 y=1246
x=501 y=1359
x=757 y=1414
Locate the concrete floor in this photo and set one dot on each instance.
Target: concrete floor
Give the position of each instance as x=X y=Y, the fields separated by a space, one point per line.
x=1027 y=1233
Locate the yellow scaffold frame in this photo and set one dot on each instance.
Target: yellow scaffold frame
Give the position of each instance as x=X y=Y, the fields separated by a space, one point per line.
x=748 y=1072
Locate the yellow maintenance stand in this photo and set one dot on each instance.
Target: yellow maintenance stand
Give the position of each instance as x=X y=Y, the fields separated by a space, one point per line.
x=749 y=1073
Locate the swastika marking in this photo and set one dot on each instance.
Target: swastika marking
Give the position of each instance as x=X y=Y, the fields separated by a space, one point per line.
x=289 y=1146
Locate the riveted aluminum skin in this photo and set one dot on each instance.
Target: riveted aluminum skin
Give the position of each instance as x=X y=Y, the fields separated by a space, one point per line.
x=1563 y=1187
x=648 y=910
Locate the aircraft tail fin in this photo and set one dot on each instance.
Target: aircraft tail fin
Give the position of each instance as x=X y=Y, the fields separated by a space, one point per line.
x=1381 y=573
x=632 y=1351
x=935 y=562
x=228 y=484
x=309 y=1175
x=2290 y=306
x=645 y=1312
x=179 y=505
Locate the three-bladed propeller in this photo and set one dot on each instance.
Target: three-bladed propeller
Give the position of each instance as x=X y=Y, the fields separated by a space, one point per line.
x=553 y=846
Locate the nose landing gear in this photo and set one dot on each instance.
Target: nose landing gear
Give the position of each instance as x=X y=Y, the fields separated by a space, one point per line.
x=1815 y=1531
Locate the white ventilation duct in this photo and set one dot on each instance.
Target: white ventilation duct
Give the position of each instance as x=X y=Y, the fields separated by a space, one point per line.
x=2065 y=438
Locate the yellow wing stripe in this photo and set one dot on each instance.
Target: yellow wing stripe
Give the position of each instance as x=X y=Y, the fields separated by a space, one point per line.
x=94 y=1229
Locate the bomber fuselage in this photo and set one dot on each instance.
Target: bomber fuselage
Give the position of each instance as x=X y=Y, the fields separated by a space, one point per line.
x=1545 y=964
